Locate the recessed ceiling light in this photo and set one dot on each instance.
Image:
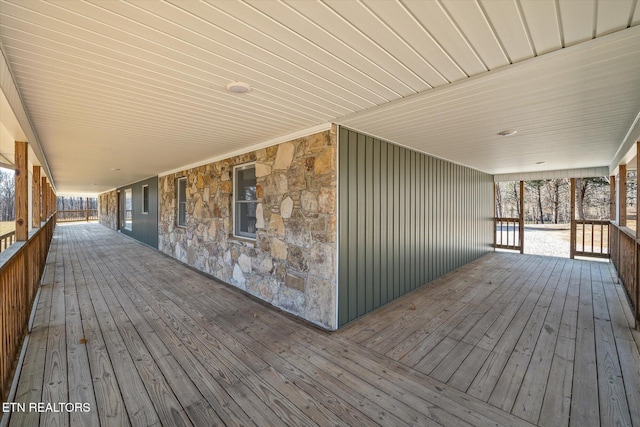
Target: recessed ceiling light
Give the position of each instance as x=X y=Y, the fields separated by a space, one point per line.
x=238 y=87
x=539 y=163
x=507 y=132
x=115 y=169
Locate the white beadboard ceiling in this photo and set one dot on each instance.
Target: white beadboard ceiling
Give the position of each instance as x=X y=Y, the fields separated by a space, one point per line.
x=139 y=85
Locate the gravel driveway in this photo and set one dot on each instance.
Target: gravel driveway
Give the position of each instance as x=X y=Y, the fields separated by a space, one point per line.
x=548 y=239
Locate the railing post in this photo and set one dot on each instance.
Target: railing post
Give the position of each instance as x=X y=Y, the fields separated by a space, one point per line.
x=521 y=224
x=86 y=206
x=495 y=216
x=573 y=238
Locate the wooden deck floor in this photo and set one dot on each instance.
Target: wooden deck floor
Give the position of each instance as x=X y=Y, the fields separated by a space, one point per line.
x=145 y=341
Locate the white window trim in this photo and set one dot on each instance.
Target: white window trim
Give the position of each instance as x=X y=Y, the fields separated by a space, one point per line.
x=128 y=191
x=147 y=211
x=234 y=190
x=184 y=178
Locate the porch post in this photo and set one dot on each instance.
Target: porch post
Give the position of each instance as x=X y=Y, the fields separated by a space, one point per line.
x=51 y=206
x=622 y=196
x=572 y=249
x=521 y=225
x=495 y=214
x=22 y=192
x=36 y=196
x=612 y=198
x=43 y=193
x=637 y=245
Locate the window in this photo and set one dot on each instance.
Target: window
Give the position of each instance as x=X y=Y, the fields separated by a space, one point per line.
x=128 y=210
x=182 y=202
x=244 y=201
x=145 y=199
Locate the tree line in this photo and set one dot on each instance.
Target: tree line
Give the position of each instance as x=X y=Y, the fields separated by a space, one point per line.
x=8 y=193
x=548 y=201
x=66 y=203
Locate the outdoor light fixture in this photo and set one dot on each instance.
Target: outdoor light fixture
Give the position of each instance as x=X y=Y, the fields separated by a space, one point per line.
x=238 y=87
x=507 y=132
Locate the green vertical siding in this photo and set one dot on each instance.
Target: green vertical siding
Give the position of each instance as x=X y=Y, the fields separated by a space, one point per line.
x=405 y=219
x=144 y=226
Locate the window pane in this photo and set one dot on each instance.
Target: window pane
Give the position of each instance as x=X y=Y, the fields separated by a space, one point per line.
x=245 y=201
x=182 y=202
x=128 y=209
x=246 y=184
x=145 y=199
x=246 y=219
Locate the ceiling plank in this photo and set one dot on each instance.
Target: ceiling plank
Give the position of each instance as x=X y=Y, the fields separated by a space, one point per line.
x=543 y=24
x=508 y=23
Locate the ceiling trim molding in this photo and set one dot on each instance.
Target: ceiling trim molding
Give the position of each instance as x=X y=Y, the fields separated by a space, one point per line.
x=554 y=174
x=289 y=137
x=10 y=90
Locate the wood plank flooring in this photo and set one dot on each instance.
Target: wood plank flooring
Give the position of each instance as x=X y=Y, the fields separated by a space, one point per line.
x=143 y=340
x=548 y=340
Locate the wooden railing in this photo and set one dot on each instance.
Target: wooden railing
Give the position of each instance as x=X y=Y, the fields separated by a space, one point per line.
x=591 y=238
x=508 y=233
x=21 y=268
x=7 y=240
x=625 y=255
x=78 y=215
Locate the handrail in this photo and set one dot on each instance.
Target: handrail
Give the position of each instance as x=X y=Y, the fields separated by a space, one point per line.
x=625 y=255
x=7 y=240
x=21 y=268
x=78 y=215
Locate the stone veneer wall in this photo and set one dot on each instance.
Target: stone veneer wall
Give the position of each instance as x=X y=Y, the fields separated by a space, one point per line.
x=292 y=263
x=108 y=209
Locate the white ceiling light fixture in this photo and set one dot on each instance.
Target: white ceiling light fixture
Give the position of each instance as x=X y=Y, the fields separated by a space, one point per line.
x=238 y=87
x=507 y=132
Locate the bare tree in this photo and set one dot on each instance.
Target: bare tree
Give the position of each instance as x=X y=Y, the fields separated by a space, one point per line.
x=554 y=189
x=587 y=191
x=498 y=200
x=536 y=188
x=7 y=195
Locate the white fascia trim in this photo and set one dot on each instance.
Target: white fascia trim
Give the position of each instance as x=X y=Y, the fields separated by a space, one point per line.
x=289 y=137
x=627 y=150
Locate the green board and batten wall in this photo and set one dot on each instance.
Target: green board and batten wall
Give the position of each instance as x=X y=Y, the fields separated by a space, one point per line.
x=144 y=225
x=405 y=219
